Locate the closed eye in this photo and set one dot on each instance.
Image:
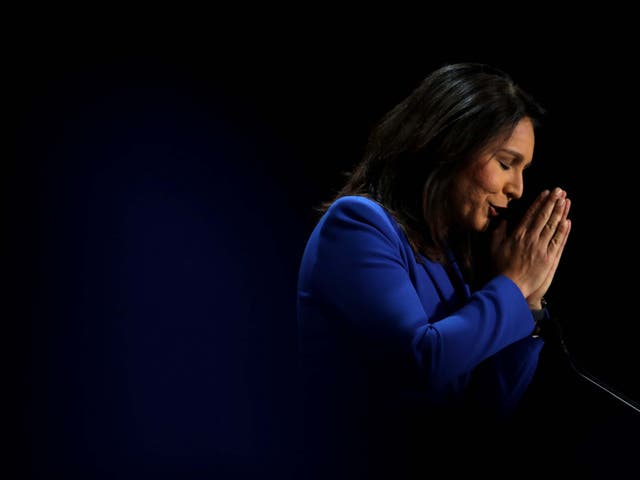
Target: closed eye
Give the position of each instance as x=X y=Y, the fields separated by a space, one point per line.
x=504 y=166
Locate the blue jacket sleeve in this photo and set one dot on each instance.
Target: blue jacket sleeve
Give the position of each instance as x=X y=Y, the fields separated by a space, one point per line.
x=357 y=267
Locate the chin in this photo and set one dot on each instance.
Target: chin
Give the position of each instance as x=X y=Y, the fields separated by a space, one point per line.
x=483 y=226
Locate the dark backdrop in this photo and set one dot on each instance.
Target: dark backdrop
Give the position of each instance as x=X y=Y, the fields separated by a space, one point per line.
x=159 y=190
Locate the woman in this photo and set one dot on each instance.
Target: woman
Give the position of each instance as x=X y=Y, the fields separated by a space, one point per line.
x=412 y=327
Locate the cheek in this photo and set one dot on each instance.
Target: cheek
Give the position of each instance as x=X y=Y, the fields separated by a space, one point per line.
x=467 y=199
x=472 y=187
x=486 y=181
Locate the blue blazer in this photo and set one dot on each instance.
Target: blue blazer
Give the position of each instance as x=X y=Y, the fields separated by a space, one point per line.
x=373 y=320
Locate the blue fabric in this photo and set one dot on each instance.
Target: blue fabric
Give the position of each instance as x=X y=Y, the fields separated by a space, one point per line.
x=375 y=324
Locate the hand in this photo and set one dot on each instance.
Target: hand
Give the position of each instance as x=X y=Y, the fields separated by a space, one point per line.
x=535 y=299
x=530 y=254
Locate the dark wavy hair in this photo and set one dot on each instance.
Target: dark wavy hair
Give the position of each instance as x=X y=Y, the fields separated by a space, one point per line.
x=417 y=148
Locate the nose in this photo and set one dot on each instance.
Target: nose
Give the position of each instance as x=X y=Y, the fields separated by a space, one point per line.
x=514 y=188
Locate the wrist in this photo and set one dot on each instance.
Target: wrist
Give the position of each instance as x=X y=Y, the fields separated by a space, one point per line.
x=539 y=316
x=537 y=304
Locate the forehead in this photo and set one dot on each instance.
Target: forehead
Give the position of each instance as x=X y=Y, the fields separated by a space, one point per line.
x=517 y=147
x=521 y=140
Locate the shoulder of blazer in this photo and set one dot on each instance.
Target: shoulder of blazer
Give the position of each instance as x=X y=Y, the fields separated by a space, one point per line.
x=367 y=210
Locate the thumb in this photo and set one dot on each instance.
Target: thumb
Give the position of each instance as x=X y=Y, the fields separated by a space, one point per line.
x=498 y=235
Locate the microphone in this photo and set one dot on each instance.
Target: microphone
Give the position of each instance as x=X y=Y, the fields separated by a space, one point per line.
x=553 y=324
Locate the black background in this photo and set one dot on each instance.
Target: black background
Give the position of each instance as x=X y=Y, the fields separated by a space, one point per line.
x=159 y=184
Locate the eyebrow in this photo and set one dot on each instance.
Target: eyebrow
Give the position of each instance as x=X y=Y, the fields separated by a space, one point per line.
x=518 y=156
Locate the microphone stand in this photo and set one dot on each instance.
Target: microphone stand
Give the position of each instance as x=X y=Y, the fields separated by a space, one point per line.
x=586 y=375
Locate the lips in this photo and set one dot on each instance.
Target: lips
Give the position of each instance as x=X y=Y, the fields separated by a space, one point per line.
x=495 y=211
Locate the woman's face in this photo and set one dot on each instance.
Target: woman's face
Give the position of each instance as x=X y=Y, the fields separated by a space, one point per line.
x=492 y=179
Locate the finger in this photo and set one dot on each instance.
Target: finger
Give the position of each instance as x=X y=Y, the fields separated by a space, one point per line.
x=545 y=211
x=532 y=211
x=559 y=239
x=567 y=206
x=556 y=260
x=567 y=227
x=549 y=228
